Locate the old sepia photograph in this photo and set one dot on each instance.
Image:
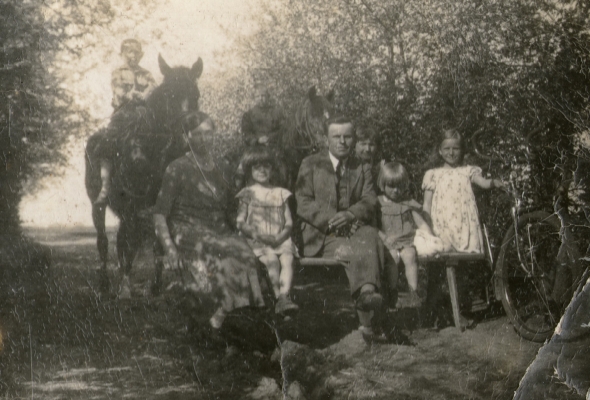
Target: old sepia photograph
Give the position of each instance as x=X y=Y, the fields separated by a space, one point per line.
x=295 y=199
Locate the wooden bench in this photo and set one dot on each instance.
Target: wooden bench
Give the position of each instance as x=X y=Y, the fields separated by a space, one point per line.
x=450 y=260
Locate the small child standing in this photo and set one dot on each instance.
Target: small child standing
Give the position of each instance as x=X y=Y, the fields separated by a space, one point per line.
x=131 y=86
x=449 y=201
x=265 y=219
x=400 y=217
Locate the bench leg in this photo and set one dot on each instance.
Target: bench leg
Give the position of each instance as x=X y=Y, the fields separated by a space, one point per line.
x=452 y=280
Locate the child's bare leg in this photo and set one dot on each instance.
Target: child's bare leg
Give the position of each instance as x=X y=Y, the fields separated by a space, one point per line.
x=105 y=177
x=286 y=277
x=284 y=304
x=273 y=266
x=408 y=256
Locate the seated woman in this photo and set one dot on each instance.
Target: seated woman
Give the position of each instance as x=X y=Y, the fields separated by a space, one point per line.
x=192 y=224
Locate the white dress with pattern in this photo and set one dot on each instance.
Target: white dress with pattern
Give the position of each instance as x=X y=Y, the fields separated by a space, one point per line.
x=454 y=211
x=266 y=214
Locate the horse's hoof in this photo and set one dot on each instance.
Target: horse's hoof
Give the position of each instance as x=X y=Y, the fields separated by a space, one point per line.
x=124 y=289
x=156 y=289
x=104 y=284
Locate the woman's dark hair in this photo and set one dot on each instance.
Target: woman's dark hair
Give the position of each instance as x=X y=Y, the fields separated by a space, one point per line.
x=366 y=133
x=194 y=123
x=255 y=156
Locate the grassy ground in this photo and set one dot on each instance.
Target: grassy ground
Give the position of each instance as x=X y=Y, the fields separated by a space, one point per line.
x=79 y=343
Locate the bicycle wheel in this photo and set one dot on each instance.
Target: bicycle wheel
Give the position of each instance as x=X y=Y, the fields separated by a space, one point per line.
x=525 y=274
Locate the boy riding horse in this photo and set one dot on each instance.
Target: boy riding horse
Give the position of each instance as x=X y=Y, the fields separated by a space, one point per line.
x=131 y=86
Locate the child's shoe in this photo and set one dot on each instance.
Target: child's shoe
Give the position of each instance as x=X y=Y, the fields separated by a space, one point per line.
x=217 y=319
x=285 y=306
x=371 y=336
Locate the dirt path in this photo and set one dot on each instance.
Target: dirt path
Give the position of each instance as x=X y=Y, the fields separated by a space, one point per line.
x=78 y=344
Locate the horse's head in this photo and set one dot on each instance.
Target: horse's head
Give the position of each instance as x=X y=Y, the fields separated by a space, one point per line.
x=307 y=129
x=320 y=107
x=177 y=96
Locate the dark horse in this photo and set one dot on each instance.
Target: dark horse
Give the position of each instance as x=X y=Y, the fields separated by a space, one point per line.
x=303 y=134
x=147 y=139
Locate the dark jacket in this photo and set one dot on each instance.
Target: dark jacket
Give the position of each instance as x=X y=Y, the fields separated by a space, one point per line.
x=315 y=192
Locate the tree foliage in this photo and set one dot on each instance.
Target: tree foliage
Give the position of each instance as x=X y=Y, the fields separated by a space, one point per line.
x=503 y=68
x=38 y=112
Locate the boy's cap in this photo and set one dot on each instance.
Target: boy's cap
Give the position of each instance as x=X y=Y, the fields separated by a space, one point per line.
x=131 y=44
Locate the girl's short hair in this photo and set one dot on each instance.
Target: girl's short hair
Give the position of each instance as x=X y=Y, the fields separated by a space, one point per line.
x=392 y=174
x=254 y=156
x=452 y=134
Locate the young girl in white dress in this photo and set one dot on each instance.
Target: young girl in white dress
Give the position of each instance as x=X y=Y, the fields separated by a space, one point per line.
x=265 y=219
x=449 y=201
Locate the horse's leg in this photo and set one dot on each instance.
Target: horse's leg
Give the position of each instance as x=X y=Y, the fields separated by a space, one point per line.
x=127 y=247
x=159 y=267
x=102 y=244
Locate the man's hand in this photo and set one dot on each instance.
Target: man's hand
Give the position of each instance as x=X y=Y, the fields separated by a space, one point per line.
x=263 y=140
x=340 y=219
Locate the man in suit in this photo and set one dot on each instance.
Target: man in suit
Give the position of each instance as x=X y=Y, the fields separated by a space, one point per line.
x=336 y=202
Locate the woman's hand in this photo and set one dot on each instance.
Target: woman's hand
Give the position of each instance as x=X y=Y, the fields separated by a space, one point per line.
x=172 y=258
x=163 y=235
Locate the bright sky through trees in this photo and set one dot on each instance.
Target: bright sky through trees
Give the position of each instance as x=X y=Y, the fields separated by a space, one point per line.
x=181 y=31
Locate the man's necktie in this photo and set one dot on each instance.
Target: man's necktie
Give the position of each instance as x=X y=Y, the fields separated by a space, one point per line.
x=339 y=171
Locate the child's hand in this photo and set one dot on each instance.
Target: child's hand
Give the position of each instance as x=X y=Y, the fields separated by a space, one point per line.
x=269 y=240
x=390 y=241
x=497 y=183
x=136 y=95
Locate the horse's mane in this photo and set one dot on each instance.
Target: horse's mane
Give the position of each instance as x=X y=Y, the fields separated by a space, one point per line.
x=304 y=130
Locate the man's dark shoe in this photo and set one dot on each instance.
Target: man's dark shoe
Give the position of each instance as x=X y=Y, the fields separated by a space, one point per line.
x=369 y=301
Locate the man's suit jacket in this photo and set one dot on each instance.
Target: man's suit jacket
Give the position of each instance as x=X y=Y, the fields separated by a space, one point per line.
x=315 y=192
